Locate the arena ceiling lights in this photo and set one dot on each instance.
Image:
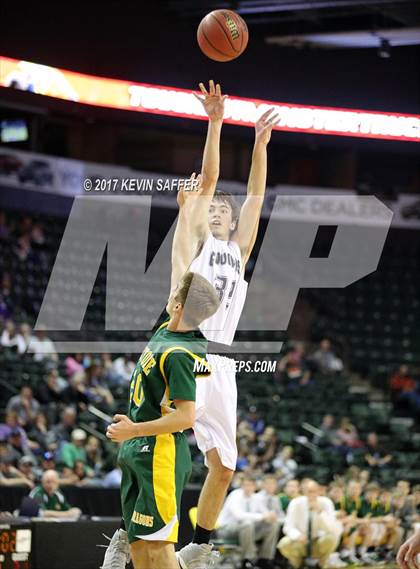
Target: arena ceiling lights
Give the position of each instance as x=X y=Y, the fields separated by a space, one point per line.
x=171 y=101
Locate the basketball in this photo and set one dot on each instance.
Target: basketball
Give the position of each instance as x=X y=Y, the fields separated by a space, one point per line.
x=222 y=35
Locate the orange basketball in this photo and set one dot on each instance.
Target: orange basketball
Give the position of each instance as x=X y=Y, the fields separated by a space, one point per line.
x=222 y=35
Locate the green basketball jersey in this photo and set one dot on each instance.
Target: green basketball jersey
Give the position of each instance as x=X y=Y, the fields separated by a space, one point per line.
x=165 y=372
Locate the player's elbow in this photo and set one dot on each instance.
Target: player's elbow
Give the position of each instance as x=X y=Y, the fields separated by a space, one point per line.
x=187 y=419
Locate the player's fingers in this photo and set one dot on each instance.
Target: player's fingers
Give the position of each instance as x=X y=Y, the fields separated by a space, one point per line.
x=218 y=90
x=265 y=115
x=118 y=418
x=203 y=89
x=273 y=120
x=211 y=85
x=198 y=97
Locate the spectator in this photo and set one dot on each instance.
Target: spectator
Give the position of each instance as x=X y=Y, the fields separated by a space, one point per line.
x=11 y=476
x=76 y=393
x=16 y=444
x=240 y=520
x=311 y=528
x=266 y=500
x=255 y=422
x=27 y=467
x=98 y=391
x=327 y=436
x=63 y=430
x=402 y=508
x=75 y=450
x=403 y=486
x=290 y=491
x=26 y=335
x=74 y=364
x=113 y=478
x=49 y=392
x=123 y=367
x=401 y=381
x=94 y=455
x=284 y=465
x=51 y=502
x=376 y=456
x=42 y=347
x=293 y=368
x=40 y=433
x=266 y=448
x=11 y=340
x=11 y=424
x=25 y=406
x=325 y=358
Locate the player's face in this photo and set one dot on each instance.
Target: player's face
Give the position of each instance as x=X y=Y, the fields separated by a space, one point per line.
x=220 y=219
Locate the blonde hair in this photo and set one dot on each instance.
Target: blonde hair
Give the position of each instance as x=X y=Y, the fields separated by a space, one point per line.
x=198 y=298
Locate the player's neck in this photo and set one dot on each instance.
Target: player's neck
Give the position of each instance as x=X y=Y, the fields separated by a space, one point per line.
x=176 y=324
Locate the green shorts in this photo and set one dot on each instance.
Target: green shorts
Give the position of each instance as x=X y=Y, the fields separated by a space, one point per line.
x=155 y=471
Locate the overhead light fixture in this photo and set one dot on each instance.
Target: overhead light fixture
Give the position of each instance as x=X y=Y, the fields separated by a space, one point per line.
x=384 y=49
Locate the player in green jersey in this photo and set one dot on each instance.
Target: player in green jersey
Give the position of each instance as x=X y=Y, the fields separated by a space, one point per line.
x=155 y=457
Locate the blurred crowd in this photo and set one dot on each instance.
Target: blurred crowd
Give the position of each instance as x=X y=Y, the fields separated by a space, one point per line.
x=351 y=521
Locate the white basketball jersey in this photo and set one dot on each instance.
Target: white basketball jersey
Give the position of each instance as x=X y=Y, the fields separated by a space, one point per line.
x=220 y=263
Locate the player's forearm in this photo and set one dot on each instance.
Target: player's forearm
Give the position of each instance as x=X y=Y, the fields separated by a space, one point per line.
x=211 y=157
x=170 y=423
x=257 y=180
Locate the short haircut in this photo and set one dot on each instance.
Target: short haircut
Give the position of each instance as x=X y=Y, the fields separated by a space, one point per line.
x=227 y=198
x=198 y=297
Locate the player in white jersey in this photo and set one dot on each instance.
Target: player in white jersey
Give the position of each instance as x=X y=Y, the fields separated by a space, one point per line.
x=218 y=236
x=214 y=237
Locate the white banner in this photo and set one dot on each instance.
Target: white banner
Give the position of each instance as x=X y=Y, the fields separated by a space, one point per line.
x=62 y=176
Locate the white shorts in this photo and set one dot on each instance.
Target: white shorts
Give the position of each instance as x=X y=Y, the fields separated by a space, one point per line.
x=216 y=402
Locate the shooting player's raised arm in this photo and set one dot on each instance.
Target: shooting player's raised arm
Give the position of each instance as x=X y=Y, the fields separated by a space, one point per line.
x=192 y=225
x=249 y=217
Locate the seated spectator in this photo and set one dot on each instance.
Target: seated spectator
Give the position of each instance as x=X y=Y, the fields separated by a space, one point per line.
x=98 y=391
x=325 y=358
x=254 y=421
x=266 y=448
x=403 y=486
x=49 y=392
x=123 y=367
x=17 y=444
x=76 y=393
x=376 y=456
x=284 y=465
x=11 y=340
x=293 y=368
x=42 y=347
x=291 y=490
x=11 y=476
x=40 y=433
x=27 y=466
x=355 y=532
x=51 y=502
x=79 y=475
x=402 y=508
x=63 y=430
x=74 y=364
x=26 y=335
x=11 y=424
x=113 y=478
x=327 y=436
x=239 y=520
x=311 y=528
x=71 y=452
x=401 y=381
x=266 y=500
x=94 y=455
x=25 y=406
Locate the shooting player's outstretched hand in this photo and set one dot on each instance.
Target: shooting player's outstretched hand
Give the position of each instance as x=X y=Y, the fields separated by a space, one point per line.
x=212 y=100
x=264 y=126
